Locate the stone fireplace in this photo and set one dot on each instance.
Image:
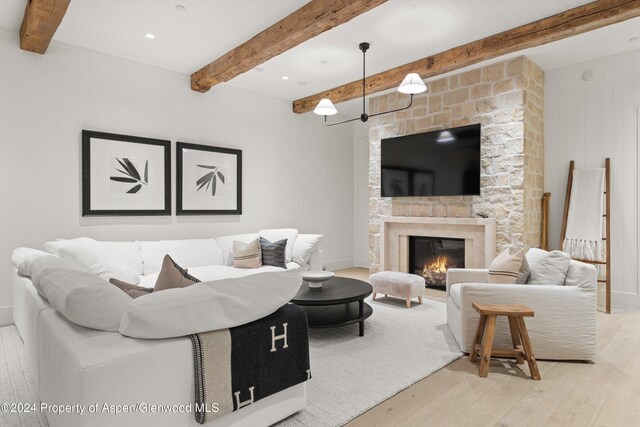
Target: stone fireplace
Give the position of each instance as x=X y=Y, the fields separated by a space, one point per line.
x=431 y=257
x=470 y=242
x=506 y=98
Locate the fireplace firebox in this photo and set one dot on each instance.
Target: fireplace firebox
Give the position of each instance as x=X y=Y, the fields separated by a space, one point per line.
x=431 y=257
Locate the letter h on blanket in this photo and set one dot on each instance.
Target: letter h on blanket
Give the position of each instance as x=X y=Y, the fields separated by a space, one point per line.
x=275 y=337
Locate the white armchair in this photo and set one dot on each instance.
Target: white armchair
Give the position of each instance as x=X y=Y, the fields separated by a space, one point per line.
x=564 y=326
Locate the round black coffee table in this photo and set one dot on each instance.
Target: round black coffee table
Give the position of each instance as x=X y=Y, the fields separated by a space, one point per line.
x=339 y=302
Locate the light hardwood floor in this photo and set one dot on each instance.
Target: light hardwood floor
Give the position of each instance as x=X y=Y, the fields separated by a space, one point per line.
x=606 y=393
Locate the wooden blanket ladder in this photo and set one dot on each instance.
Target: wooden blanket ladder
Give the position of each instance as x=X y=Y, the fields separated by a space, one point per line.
x=607 y=229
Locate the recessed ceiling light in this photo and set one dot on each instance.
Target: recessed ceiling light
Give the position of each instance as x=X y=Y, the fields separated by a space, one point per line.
x=303 y=83
x=180 y=7
x=634 y=39
x=285 y=77
x=150 y=36
x=324 y=61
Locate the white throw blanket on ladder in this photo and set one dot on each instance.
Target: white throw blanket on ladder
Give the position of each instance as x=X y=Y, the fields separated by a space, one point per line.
x=583 y=238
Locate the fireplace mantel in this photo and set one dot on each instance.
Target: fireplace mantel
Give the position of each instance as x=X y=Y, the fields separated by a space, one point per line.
x=479 y=235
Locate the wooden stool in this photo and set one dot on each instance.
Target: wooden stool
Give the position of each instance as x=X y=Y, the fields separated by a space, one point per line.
x=519 y=336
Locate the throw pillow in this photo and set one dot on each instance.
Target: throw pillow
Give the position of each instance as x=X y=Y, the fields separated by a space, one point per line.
x=505 y=267
x=276 y=234
x=247 y=255
x=550 y=270
x=273 y=253
x=134 y=291
x=525 y=271
x=173 y=276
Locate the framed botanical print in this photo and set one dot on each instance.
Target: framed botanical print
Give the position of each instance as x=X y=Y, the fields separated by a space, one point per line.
x=209 y=180
x=125 y=175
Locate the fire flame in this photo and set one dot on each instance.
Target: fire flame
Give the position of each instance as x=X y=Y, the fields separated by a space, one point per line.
x=437 y=266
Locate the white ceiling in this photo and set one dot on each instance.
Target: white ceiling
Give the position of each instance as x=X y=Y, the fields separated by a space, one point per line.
x=399 y=31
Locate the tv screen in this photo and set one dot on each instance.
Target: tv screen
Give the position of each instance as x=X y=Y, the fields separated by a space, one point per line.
x=440 y=163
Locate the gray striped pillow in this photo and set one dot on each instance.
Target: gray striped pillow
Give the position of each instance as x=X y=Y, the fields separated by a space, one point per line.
x=506 y=266
x=273 y=253
x=247 y=255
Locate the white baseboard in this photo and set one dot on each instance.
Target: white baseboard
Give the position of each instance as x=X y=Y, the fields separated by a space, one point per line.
x=362 y=263
x=6 y=315
x=339 y=264
x=624 y=301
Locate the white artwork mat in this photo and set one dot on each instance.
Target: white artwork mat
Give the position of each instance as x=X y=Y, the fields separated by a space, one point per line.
x=209 y=180
x=113 y=159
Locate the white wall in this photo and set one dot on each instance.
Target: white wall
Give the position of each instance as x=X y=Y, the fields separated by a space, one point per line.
x=361 y=193
x=586 y=122
x=296 y=172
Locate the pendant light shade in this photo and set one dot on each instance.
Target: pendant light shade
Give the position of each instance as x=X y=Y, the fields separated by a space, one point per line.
x=325 y=108
x=412 y=84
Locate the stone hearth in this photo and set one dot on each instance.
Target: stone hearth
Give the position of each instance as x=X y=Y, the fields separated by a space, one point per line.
x=479 y=235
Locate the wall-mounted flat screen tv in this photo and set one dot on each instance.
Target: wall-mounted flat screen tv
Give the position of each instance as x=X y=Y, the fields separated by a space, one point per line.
x=439 y=163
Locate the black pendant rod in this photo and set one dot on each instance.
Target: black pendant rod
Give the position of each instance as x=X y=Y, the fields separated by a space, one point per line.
x=364 y=116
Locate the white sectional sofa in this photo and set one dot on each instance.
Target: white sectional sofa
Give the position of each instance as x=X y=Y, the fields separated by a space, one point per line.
x=564 y=326
x=72 y=364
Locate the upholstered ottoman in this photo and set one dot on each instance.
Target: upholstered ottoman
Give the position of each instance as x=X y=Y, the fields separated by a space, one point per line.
x=402 y=285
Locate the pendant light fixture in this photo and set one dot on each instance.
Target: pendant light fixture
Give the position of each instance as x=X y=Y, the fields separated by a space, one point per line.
x=411 y=85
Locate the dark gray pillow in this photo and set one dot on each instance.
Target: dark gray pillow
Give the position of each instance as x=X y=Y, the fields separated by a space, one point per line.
x=273 y=253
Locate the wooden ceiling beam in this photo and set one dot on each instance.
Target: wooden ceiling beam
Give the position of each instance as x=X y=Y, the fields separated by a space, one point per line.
x=556 y=27
x=310 y=20
x=40 y=22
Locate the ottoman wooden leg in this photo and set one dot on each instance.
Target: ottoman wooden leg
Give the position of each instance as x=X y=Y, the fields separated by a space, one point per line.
x=408 y=301
x=420 y=300
x=490 y=332
x=373 y=296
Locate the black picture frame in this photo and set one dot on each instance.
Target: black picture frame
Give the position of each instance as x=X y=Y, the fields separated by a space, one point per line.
x=88 y=210
x=180 y=179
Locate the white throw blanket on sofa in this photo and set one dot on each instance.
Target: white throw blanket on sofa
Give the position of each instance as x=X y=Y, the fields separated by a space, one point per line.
x=583 y=239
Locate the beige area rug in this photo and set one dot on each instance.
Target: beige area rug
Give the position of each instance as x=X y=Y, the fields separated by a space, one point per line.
x=352 y=374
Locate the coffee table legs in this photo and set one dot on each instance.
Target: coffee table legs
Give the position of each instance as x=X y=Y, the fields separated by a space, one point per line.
x=361 y=316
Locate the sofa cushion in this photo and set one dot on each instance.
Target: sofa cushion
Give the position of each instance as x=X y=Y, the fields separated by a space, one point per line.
x=126 y=252
x=247 y=255
x=188 y=253
x=454 y=293
x=45 y=263
x=209 y=306
x=304 y=246
x=93 y=258
x=273 y=253
x=275 y=234
x=84 y=298
x=535 y=254
x=550 y=270
x=54 y=247
x=22 y=259
x=582 y=275
x=226 y=245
